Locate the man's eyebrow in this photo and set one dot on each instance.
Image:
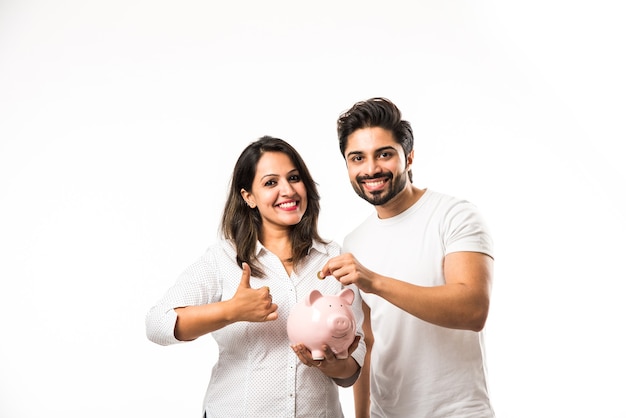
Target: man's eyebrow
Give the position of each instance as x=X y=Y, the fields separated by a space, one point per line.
x=354 y=153
x=378 y=151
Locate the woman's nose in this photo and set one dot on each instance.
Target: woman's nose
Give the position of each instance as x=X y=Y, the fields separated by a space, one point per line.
x=286 y=188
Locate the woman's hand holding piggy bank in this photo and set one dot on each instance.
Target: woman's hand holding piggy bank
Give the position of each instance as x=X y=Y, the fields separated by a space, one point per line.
x=323 y=320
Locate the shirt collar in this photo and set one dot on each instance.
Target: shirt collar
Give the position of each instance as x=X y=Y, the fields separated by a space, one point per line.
x=317 y=246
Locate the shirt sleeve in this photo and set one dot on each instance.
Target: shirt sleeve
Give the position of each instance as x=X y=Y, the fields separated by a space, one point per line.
x=197 y=285
x=466 y=230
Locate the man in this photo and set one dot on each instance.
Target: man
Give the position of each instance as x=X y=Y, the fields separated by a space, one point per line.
x=423 y=263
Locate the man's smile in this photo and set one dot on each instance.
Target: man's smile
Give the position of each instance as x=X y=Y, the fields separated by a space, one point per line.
x=375 y=184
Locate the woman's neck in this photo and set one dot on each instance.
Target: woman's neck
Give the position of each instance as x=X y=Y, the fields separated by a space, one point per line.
x=279 y=243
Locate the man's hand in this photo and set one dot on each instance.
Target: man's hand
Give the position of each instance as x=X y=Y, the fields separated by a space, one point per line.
x=348 y=270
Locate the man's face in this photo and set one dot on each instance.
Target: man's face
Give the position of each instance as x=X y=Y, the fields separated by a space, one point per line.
x=377 y=166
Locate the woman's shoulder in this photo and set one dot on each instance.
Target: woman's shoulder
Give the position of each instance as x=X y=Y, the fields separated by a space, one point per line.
x=330 y=247
x=217 y=250
x=220 y=244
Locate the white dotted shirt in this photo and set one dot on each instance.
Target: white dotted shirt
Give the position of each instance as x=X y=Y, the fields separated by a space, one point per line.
x=256 y=374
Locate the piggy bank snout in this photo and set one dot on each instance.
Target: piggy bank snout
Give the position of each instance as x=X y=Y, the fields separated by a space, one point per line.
x=339 y=322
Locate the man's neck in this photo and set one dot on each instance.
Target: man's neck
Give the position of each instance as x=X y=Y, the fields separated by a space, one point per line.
x=400 y=203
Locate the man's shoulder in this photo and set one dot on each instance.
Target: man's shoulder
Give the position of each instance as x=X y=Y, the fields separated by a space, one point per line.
x=444 y=198
x=445 y=203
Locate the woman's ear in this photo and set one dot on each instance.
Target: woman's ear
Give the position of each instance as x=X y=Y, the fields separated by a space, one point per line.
x=248 y=198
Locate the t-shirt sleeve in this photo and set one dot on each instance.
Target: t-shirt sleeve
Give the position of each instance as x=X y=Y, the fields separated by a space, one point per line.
x=466 y=230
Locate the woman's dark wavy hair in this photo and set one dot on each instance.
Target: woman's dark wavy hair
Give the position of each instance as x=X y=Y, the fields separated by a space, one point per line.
x=242 y=224
x=375 y=112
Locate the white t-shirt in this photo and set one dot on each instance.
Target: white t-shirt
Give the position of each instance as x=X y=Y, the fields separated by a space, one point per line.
x=419 y=369
x=257 y=374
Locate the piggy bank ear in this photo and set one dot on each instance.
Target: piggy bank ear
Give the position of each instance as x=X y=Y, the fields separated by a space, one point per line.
x=312 y=297
x=347 y=295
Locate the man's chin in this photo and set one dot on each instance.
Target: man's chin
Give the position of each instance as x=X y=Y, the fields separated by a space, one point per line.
x=375 y=199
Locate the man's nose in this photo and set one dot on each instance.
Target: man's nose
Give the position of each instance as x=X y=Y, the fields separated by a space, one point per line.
x=372 y=167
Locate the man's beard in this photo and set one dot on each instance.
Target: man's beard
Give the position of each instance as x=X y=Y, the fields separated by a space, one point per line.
x=380 y=197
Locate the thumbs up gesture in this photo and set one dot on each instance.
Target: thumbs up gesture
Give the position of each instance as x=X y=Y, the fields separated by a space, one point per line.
x=253 y=305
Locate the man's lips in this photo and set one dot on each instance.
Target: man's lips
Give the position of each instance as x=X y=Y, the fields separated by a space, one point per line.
x=374 y=184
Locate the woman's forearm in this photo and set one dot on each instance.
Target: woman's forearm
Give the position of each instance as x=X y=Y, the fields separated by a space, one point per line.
x=195 y=321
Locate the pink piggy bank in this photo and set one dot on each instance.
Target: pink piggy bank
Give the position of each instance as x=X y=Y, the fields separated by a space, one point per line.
x=323 y=319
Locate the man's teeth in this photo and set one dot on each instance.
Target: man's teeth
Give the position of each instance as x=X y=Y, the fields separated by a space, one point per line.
x=375 y=183
x=287 y=205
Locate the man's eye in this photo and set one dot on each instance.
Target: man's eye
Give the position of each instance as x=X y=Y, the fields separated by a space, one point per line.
x=357 y=158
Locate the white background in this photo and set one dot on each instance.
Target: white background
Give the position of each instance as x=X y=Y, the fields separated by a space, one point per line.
x=120 y=122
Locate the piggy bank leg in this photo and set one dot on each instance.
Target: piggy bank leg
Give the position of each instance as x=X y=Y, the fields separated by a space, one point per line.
x=317 y=354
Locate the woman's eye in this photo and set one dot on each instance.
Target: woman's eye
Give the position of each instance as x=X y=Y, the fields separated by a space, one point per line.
x=270 y=183
x=294 y=178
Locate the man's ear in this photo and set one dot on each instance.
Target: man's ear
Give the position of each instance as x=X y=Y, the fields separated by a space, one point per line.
x=409 y=159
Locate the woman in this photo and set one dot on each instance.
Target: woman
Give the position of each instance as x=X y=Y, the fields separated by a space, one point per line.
x=270 y=241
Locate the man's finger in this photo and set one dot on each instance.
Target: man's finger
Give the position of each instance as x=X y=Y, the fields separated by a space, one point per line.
x=325 y=271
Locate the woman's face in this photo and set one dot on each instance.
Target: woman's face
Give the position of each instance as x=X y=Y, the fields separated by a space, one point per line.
x=277 y=191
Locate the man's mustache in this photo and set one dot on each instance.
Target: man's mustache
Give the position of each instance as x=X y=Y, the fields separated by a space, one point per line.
x=375 y=176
